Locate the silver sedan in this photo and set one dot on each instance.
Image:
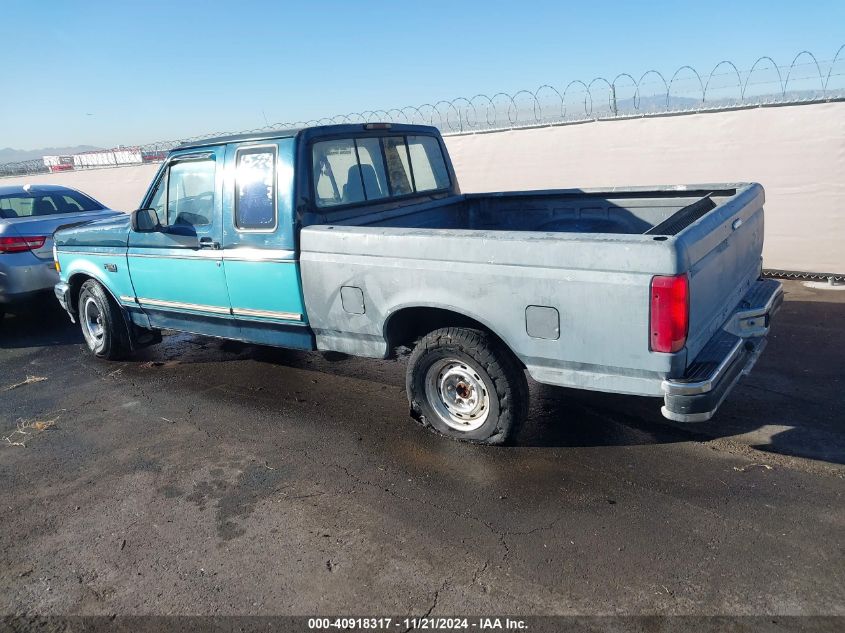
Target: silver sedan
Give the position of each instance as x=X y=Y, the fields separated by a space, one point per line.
x=29 y=215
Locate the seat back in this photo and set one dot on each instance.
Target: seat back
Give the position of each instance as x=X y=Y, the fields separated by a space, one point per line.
x=371 y=186
x=43 y=206
x=353 y=190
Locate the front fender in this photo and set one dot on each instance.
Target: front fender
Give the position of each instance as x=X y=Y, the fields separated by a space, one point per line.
x=93 y=265
x=111 y=271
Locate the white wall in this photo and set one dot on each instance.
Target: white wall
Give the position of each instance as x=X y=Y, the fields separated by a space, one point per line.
x=796 y=152
x=119 y=188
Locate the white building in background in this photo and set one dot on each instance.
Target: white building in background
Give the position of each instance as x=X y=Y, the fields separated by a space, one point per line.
x=58 y=163
x=88 y=160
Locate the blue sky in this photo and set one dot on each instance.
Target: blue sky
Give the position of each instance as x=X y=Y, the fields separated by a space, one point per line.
x=104 y=72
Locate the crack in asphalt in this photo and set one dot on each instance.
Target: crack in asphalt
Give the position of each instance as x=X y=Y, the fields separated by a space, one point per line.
x=430 y=610
x=501 y=535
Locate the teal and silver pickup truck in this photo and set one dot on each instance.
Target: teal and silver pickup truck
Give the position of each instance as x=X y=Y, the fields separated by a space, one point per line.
x=357 y=239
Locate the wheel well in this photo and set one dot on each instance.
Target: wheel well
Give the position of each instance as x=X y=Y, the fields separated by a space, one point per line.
x=75 y=284
x=406 y=326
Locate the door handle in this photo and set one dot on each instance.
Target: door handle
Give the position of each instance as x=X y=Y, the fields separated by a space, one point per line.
x=207 y=242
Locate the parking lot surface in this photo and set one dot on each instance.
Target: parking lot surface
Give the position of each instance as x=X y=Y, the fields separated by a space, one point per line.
x=211 y=477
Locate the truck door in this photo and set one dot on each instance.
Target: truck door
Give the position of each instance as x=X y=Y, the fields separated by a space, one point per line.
x=259 y=245
x=177 y=270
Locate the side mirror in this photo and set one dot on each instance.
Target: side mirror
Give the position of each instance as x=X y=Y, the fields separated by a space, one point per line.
x=145 y=221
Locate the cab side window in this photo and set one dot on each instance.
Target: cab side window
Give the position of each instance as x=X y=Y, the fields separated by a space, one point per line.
x=190 y=193
x=184 y=195
x=159 y=200
x=255 y=189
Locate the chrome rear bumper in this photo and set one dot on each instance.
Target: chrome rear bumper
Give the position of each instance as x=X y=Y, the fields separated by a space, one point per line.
x=729 y=355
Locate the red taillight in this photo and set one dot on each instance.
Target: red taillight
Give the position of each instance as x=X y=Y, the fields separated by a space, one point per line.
x=669 y=321
x=20 y=244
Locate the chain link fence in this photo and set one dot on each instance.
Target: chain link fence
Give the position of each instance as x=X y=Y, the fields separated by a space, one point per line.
x=805 y=80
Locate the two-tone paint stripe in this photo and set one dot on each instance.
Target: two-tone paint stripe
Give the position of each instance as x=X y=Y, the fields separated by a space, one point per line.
x=266 y=314
x=280 y=256
x=197 y=307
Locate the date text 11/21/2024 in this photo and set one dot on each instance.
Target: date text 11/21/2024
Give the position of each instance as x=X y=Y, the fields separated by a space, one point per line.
x=423 y=623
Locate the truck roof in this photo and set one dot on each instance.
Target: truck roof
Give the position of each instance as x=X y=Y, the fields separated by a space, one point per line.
x=314 y=130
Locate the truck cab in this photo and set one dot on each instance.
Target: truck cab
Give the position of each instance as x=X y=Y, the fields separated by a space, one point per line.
x=218 y=225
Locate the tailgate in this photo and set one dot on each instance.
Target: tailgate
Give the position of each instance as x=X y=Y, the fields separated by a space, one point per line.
x=722 y=252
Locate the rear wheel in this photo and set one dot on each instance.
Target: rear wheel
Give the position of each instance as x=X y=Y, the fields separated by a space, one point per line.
x=101 y=322
x=463 y=383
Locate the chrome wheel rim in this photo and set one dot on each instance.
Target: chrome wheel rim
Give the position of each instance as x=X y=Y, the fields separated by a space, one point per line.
x=91 y=318
x=457 y=394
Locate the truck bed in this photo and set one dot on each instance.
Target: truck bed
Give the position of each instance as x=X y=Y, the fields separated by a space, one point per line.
x=620 y=212
x=589 y=255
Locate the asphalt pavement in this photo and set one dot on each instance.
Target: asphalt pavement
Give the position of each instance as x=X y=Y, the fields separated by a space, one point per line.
x=211 y=477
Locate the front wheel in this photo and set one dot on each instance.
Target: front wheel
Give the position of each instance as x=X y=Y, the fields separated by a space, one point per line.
x=101 y=322
x=465 y=384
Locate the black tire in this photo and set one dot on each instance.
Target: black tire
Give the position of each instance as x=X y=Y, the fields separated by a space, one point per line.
x=101 y=322
x=465 y=384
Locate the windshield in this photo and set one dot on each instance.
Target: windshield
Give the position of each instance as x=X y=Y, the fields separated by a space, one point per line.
x=37 y=204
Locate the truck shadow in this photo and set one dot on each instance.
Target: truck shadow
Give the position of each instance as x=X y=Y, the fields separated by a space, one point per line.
x=42 y=323
x=791 y=403
x=572 y=418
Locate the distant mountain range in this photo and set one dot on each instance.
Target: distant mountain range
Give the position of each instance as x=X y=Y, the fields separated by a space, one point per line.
x=10 y=155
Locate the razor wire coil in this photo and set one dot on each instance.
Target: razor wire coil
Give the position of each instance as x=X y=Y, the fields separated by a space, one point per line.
x=805 y=80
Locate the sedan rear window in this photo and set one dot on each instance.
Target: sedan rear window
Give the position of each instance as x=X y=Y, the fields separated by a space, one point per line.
x=35 y=204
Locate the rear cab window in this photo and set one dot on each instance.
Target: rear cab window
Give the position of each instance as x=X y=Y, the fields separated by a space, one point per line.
x=40 y=203
x=358 y=170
